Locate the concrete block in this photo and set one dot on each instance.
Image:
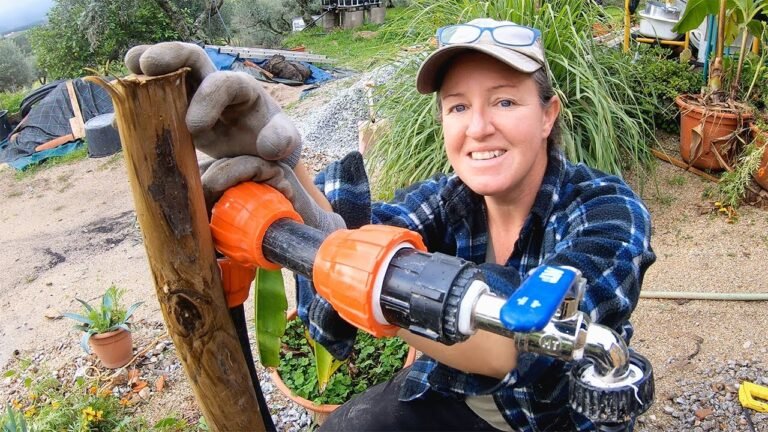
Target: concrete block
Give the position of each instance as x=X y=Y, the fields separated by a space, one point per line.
x=330 y=20
x=377 y=15
x=352 y=19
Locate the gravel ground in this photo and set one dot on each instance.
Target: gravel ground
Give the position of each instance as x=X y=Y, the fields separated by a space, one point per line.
x=330 y=128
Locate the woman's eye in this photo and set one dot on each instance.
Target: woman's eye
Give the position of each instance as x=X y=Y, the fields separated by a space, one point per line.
x=506 y=103
x=458 y=108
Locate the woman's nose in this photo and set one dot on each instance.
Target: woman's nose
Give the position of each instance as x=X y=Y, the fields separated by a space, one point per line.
x=480 y=125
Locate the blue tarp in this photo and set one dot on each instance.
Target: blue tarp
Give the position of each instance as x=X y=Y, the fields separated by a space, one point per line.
x=23 y=163
x=222 y=61
x=318 y=75
x=225 y=61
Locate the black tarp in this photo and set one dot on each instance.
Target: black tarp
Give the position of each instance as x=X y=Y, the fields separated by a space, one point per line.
x=49 y=118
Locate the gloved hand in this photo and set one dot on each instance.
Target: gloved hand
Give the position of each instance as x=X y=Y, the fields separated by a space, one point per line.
x=225 y=173
x=230 y=114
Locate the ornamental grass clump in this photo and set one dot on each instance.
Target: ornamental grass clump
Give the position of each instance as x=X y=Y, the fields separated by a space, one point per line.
x=604 y=124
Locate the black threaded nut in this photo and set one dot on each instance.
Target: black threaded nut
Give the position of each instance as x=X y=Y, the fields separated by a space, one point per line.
x=614 y=405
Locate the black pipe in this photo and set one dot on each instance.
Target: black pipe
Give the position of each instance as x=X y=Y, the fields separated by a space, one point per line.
x=237 y=314
x=292 y=245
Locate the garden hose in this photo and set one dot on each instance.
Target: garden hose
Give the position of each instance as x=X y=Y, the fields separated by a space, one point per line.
x=685 y=295
x=237 y=314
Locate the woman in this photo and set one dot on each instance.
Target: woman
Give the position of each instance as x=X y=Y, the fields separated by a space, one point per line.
x=512 y=204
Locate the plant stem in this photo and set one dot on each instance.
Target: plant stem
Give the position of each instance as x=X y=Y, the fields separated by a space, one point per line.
x=742 y=52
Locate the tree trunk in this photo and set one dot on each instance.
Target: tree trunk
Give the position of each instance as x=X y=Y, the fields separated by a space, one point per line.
x=176 y=17
x=209 y=13
x=165 y=182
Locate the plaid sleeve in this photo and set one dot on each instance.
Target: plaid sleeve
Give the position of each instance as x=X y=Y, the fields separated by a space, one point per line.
x=345 y=184
x=606 y=234
x=419 y=208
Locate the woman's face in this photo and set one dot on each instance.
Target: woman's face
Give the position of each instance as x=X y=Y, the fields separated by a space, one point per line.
x=495 y=127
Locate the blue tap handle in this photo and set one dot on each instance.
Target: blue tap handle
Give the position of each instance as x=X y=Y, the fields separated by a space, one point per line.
x=531 y=307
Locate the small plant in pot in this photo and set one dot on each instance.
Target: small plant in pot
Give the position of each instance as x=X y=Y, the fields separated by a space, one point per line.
x=312 y=378
x=106 y=329
x=715 y=122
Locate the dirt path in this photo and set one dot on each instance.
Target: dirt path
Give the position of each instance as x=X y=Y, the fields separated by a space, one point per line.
x=70 y=231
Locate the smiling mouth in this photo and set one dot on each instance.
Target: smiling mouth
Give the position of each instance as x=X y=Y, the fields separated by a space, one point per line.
x=485 y=155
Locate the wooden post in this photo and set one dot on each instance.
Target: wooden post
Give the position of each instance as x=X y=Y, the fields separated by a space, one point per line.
x=168 y=196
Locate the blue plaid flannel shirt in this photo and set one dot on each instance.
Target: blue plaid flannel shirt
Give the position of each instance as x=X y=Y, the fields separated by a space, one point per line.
x=581 y=218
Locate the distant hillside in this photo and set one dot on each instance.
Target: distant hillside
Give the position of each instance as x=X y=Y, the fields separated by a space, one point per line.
x=6 y=31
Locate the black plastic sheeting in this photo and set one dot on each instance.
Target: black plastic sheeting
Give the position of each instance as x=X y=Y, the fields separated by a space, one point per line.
x=49 y=118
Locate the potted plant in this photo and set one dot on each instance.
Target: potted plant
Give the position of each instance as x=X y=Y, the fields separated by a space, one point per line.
x=106 y=329
x=312 y=378
x=714 y=122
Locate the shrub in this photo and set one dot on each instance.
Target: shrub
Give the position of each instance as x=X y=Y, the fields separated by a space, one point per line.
x=660 y=78
x=15 y=70
x=82 y=34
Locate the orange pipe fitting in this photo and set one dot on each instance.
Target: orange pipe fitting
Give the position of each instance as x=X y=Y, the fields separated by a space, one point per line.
x=349 y=270
x=236 y=280
x=242 y=216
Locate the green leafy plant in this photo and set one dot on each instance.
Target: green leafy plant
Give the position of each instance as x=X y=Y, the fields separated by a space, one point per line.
x=733 y=185
x=603 y=123
x=660 y=79
x=372 y=361
x=13 y=420
x=735 y=17
x=103 y=318
x=270 y=304
x=46 y=403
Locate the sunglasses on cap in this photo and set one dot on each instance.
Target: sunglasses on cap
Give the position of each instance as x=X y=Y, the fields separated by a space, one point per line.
x=505 y=35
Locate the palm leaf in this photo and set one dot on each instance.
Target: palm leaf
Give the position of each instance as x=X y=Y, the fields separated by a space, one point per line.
x=270 y=306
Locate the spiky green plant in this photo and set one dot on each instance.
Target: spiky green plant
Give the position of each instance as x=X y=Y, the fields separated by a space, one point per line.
x=602 y=123
x=106 y=317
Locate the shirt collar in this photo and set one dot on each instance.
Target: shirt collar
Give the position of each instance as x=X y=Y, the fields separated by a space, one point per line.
x=461 y=203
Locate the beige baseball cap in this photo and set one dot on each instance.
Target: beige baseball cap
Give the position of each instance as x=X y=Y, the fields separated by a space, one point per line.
x=528 y=58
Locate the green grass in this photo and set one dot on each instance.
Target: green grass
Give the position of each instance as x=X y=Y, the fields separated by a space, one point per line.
x=74 y=156
x=359 y=48
x=677 y=180
x=11 y=101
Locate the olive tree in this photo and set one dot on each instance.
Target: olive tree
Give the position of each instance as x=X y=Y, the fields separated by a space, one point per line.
x=15 y=68
x=88 y=33
x=266 y=22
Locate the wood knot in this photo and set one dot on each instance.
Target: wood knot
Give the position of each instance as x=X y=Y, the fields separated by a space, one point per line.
x=187 y=315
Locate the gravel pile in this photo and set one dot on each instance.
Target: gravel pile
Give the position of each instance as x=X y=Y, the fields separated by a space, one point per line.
x=331 y=129
x=287 y=416
x=711 y=402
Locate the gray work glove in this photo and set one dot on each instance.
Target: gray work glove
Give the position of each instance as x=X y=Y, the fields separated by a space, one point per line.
x=225 y=173
x=230 y=114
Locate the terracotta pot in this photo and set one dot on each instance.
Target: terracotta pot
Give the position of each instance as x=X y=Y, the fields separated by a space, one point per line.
x=761 y=138
x=717 y=124
x=114 y=349
x=320 y=412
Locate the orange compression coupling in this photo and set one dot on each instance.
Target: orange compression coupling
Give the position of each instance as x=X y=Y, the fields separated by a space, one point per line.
x=349 y=271
x=236 y=280
x=242 y=216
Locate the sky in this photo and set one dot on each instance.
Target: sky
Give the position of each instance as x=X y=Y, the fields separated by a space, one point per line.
x=16 y=13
